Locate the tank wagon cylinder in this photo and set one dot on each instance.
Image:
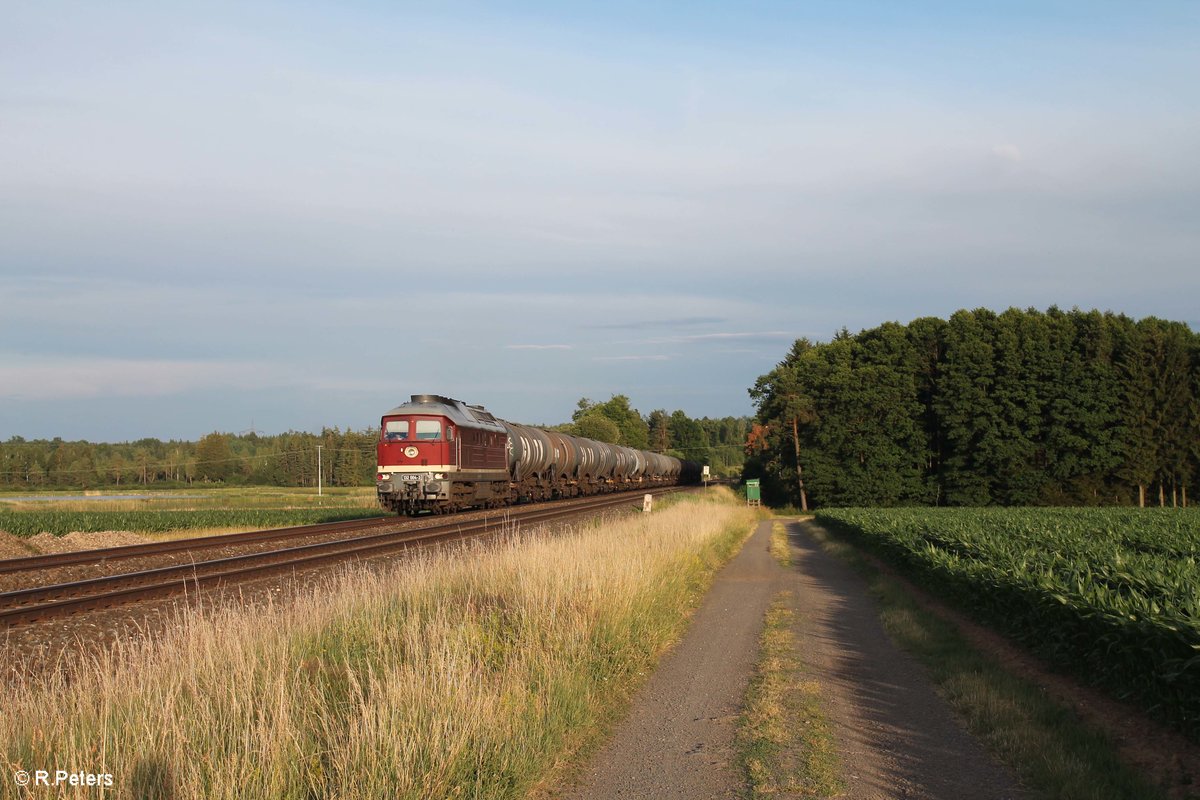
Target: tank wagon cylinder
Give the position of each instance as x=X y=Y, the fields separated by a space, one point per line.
x=603 y=458
x=639 y=463
x=565 y=456
x=672 y=468
x=634 y=465
x=614 y=460
x=621 y=461
x=529 y=451
x=588 y=457
x=657 y=465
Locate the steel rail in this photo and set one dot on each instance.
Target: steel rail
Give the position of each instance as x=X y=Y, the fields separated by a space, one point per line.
x=24 y=606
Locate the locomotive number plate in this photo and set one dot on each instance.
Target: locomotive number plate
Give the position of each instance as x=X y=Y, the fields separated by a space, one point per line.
x=410 y=478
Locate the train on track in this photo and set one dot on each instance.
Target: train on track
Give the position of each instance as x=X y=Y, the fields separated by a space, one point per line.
x=440 y=455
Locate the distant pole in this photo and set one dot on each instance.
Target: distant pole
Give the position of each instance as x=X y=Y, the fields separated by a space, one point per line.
x=318 y=470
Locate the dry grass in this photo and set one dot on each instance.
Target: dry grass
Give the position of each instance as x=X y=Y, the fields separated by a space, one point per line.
x=779 y=544
x=456 y=674
x=785 y=740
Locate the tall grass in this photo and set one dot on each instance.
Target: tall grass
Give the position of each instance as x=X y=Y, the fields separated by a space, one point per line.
x=476 y=673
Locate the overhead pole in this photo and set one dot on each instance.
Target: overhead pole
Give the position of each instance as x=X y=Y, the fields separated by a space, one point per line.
x=318 y=470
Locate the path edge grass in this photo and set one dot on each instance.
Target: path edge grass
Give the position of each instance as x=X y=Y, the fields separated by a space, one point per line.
x=785 y=743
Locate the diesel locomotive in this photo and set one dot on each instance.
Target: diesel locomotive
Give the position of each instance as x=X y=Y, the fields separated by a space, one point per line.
x=438 y=454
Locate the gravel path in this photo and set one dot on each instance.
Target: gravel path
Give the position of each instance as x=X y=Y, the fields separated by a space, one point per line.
x=677 y=741
x=896 y=737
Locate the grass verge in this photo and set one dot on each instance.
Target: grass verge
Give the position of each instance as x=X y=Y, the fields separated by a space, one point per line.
x=779 y=544
x=476 y=673
x=1055 y=754
x=785 y=741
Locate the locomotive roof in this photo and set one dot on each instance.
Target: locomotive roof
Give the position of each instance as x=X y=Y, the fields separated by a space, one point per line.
x=463 y=415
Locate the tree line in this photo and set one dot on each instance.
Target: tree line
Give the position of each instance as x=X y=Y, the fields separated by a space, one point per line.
x=717 y=442
x=288 y=459
x=1016 y=408
x=347 y=457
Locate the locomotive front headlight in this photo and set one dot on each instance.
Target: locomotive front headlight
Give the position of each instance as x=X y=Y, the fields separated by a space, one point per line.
x=439 y=477
x=384 y=476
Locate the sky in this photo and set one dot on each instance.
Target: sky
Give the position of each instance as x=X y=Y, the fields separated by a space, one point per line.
x=284 y=216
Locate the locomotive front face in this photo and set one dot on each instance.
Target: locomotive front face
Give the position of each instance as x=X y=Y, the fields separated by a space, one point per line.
x=416 y=458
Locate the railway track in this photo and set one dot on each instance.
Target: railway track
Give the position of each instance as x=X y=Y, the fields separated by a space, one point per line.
x=42 y=603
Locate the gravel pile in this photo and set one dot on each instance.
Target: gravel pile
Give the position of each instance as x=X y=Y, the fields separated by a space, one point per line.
x=14 y=546
x=49 y=543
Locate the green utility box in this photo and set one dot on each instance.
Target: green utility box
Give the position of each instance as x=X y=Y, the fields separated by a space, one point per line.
x=753 y=497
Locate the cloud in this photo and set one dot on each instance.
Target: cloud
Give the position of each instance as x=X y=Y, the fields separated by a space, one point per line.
x=720 y=337
x=660 y=323
x=700 y=337
x=64 y=378
x=188 y=199
x=1008 y=152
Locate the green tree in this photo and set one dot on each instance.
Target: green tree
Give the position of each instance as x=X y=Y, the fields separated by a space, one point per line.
x=659 y=427
x=597 y=426
x=634 y=431
x=688 y=441
x=1083 y=413
x=965 y=409
x=785 y=404
x=214 y=457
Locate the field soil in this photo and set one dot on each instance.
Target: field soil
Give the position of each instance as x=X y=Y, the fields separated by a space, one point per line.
x=896 y=737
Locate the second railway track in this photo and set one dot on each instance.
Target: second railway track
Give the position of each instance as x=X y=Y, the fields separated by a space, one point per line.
x=41 y=603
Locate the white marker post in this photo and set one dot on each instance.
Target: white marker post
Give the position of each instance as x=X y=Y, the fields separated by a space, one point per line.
x=647 y=503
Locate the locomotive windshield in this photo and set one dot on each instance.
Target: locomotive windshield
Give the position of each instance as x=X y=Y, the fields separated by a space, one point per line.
x=429 y=429
x=395 y=430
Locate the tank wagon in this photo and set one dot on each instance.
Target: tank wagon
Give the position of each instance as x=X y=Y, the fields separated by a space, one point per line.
x=439 y=454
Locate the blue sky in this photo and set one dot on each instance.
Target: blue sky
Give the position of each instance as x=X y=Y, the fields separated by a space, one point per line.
x=293 y=215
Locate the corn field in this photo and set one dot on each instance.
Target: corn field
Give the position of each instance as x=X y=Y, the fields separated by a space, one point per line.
x=1112 y=595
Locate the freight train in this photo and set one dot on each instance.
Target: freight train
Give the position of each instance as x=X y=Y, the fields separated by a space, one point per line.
x=439 y=455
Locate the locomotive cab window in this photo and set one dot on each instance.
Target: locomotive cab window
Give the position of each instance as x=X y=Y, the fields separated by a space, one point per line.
x=429 y=429
x=395 y=430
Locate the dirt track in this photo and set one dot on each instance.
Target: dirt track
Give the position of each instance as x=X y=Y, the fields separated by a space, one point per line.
x=896 y=737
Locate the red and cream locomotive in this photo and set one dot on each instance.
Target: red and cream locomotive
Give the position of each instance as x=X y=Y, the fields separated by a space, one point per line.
x=438 y=454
